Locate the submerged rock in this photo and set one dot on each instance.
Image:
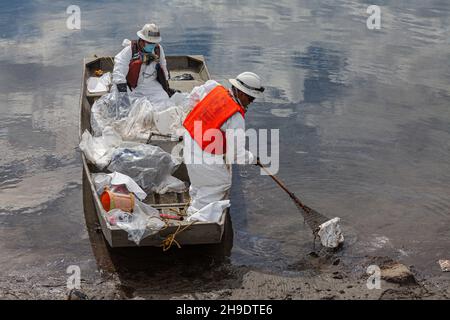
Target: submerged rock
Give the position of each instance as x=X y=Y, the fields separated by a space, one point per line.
x=445 y=265
x=397 y=273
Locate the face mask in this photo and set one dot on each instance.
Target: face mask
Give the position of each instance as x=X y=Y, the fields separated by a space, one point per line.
x=149 y=48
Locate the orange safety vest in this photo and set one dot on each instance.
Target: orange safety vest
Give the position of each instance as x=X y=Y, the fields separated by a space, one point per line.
x=216 y=108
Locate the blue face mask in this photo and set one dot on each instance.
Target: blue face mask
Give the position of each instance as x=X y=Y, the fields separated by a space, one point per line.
x=149 y=48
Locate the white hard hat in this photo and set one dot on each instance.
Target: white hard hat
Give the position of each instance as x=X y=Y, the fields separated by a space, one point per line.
x=150 y=33
x=249 y=83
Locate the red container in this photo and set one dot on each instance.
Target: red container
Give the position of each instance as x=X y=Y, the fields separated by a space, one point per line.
x=117 y=200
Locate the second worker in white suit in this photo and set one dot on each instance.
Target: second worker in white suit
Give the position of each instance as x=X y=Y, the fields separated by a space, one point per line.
x=141 y=67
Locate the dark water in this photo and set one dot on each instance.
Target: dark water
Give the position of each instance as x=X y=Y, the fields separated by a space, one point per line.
x=363 y=116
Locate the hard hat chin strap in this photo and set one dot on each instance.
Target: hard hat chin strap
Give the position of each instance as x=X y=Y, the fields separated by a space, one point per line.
x=235 y=96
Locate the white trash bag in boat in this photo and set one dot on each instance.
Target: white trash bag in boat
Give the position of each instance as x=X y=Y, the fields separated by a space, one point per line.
x=139 y=121
x=99 y=84
x=102 y=180
x=171 y=184
x=98 y=150
x=168 y=121
x=143 y=222
x=149 y=166
x=211 y=212
x=108 y=111
x=133 y=123
x=181 y=101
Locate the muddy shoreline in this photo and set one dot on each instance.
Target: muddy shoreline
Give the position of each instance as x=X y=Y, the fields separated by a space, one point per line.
x=192 y=274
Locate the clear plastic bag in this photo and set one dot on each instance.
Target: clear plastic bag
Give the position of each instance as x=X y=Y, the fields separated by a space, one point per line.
x=168 y=121
x=111 y=109
x=98 y=150
x=180 y=100
x=135 y=121
x=210 y=213
x=102 y=180
x=171 y=184
x=139 y=121
x=99 y=84
x=143 y=222
x=149 y=166
x=123 y=105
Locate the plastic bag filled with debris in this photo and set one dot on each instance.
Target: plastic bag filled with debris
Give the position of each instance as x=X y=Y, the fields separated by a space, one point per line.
x=98 y=150
x=134 y=123
x=102 y=180
x=170 y=120
x=210 y=213
x=149 y=166
x=99 y=84
x=143 y=222
x=139 y=121
x=109 y=110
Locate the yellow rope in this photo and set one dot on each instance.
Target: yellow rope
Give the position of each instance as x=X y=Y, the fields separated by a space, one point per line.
x=184 y=214
x=170 y=239
x=166 y=224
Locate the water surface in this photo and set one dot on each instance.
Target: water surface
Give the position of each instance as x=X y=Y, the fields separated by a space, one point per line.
x=363 y=116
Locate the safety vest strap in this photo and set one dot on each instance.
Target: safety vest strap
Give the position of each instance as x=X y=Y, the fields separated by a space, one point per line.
x=134 y=68
x=212 y=112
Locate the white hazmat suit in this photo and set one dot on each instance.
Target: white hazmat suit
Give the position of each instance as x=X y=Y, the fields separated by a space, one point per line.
x=147 y=84
x=211 y=182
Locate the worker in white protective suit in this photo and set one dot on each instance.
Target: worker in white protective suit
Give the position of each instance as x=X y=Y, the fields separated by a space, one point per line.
x=216 y=111
x=141 y=67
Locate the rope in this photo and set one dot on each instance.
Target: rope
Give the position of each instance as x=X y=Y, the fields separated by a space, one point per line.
x=184 y=213
x=170 y=239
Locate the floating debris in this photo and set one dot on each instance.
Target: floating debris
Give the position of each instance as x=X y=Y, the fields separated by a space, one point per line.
x=330 y=233
x=445 y=265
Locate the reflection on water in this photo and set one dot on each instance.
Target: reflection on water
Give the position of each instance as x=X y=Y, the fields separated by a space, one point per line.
x=363 y=118
x=324 y=67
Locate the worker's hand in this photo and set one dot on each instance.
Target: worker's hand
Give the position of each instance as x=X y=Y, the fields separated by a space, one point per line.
x=122 y=87
x=172 y=91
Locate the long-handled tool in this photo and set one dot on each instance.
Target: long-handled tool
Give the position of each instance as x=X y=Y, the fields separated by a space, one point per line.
x=313 y=218
x=170 y=136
